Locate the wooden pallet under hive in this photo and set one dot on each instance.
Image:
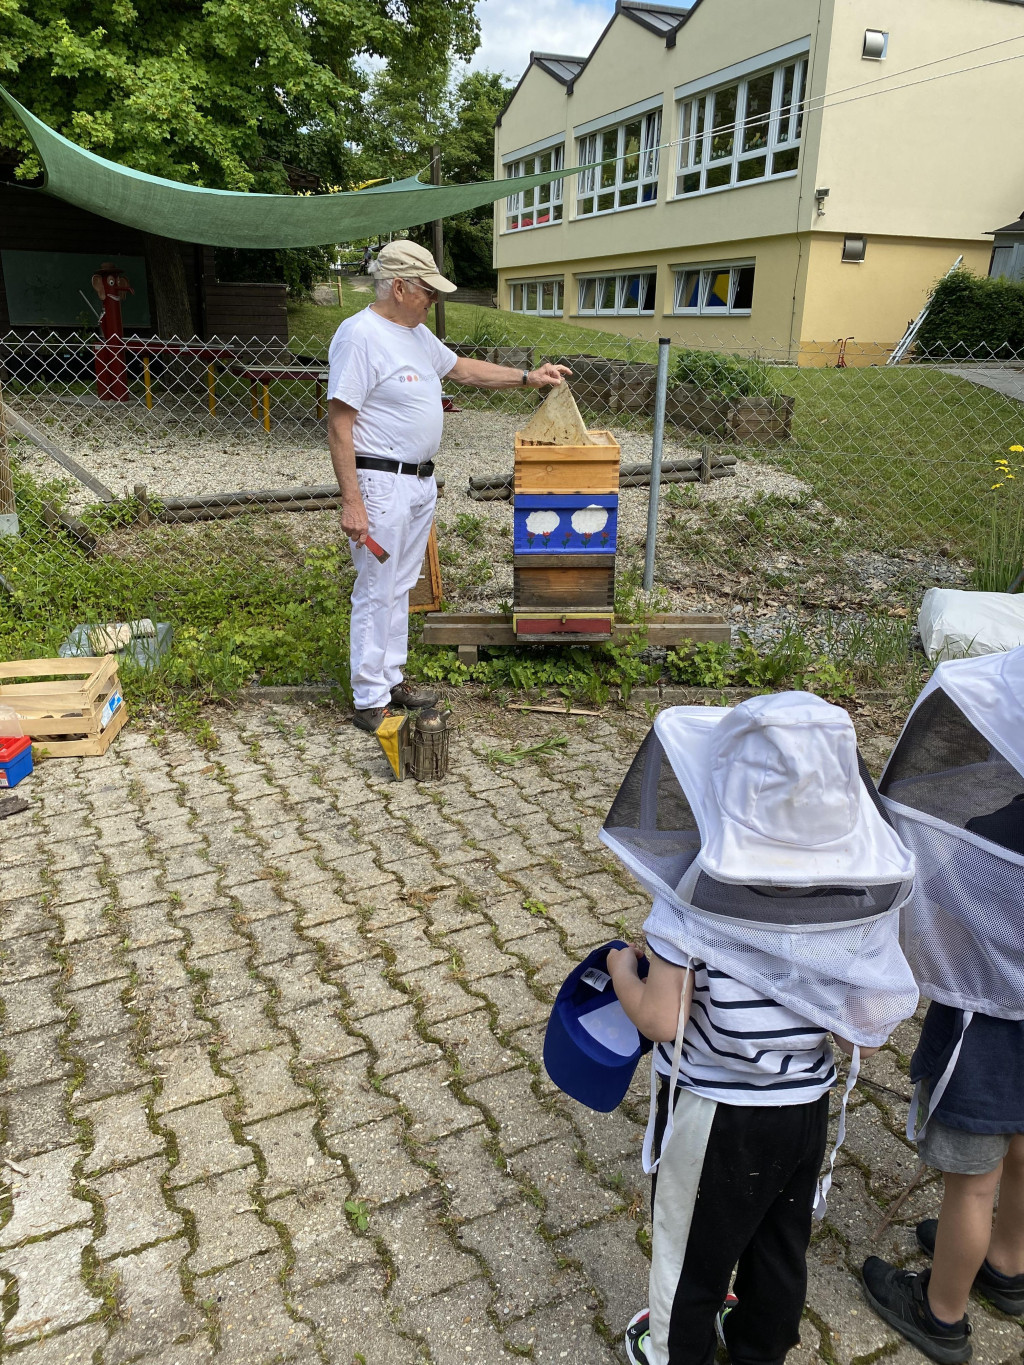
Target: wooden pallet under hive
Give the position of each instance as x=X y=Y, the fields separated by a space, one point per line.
x=72 y=708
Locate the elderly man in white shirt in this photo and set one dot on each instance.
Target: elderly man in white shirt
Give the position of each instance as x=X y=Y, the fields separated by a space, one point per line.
x=384 y=429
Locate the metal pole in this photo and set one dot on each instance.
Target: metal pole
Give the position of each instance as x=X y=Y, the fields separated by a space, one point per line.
x=438 y=228
x=661 y=389
x=8 y=507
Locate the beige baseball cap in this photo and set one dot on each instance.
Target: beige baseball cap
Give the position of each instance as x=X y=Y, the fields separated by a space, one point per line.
x=408 y=261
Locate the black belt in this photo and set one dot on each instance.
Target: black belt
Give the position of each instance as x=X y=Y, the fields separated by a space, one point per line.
x=422 y=471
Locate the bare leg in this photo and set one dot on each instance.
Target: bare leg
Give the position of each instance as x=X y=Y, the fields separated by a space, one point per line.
x=961 y=1242
x=1006 y=1250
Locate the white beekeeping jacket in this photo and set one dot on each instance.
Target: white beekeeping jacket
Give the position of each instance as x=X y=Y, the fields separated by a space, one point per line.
x=759 y=834
x=959 y=762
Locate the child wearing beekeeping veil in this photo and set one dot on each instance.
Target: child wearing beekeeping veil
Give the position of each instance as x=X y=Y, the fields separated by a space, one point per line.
x=777 y=882
x=955 y=790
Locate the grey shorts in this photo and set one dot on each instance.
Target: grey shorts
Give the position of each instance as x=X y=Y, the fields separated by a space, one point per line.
x=958 y=1152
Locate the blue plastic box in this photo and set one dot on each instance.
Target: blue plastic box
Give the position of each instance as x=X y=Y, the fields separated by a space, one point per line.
x=565 y=523
x=15 y=761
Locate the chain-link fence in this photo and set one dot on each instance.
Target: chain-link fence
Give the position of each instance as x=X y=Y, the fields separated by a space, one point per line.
x=189 y=483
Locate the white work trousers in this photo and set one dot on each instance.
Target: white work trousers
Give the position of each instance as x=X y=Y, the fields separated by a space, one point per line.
x=400 y=510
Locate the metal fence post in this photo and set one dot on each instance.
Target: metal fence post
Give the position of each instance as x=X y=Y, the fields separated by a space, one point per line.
x=660 y=391
x=8 y=507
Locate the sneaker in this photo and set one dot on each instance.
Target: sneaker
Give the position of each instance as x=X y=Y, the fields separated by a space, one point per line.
x=1005 y=1292
x=638 y=1334
x=370 y=719
x=900 y=1298
x=412 y=698
x=730 y=1303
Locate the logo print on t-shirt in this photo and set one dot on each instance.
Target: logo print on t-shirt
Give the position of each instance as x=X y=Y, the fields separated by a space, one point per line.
x=407 y=378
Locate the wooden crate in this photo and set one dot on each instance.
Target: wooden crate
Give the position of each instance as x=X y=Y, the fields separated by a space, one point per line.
x=563 y=582
x=64 y=715
x=426 y=593
x=568 y=469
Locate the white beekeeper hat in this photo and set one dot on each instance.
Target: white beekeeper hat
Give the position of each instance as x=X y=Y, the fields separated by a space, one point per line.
x=776 y=789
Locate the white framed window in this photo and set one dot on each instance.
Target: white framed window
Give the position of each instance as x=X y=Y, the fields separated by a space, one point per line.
x=541 y=206
x=541 y=297
x=749 y=130
x=628 y=173
x=620 y=295
x=714 y=290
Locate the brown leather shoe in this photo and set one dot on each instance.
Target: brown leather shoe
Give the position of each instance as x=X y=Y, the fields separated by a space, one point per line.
x=412 y=698
x=370 y=719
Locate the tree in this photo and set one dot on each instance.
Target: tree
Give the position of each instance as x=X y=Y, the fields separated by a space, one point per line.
x=221 y=93
x=404 y=121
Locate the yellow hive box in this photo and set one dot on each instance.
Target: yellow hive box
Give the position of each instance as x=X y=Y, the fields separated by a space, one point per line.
x=568 y=469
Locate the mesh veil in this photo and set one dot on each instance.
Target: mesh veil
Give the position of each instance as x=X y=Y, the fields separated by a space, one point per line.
x=829 y=953
x=963 y=926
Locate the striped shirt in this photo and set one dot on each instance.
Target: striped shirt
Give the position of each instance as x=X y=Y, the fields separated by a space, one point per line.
x=739 y=1048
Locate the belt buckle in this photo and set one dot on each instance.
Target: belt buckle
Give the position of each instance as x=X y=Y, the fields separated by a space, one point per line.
x=424 y=468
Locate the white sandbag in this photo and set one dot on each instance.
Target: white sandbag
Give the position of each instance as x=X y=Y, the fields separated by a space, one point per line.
x=956 y=625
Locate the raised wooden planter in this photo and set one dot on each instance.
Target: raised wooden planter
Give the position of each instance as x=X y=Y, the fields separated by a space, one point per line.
x=747 y=421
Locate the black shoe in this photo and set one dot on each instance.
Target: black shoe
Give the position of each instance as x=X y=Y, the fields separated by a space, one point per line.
x=638 y=1334
x=412 y=698
x=1005 y=1292
x=900 y=1298
x=370 y=719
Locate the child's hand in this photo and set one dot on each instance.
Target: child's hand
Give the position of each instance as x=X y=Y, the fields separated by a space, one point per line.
x=624 y=960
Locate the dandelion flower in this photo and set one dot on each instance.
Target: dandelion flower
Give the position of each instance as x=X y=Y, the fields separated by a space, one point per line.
x=1017 y=450
x=996 y=485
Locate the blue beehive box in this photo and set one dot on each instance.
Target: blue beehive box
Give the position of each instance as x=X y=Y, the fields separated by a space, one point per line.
x=565 y=523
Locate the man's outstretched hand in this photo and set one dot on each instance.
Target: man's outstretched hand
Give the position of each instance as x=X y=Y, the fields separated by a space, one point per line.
x=547 y=374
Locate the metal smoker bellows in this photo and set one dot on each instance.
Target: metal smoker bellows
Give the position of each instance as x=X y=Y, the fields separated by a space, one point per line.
x=430 y=744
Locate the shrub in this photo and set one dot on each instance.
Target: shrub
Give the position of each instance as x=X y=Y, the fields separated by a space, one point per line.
x=973 y=318
x=730 y=376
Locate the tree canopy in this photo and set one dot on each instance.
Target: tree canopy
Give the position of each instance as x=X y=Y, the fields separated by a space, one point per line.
x=224 y=93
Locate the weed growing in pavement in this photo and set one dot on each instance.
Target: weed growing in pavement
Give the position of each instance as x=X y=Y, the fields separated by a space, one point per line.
x=548 y=745
x=534 y=907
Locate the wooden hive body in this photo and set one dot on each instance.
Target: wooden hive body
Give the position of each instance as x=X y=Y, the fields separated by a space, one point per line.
x=565 y=522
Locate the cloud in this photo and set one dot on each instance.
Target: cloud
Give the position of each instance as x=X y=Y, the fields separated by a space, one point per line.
x=510 y=29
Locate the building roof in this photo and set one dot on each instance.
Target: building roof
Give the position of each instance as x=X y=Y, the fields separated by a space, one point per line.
x=563 y=68
x=1016 y=228
x=662 y=20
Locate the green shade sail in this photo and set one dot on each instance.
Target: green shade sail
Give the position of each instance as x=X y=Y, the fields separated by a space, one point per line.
x=230 y=218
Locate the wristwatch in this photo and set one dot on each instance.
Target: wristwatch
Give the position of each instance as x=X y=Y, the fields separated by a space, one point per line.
x=526 y=378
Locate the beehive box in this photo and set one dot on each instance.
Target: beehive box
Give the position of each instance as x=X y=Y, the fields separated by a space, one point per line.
x=72 y=708
x=563 y=582
x=560 y=524
x=567 y=469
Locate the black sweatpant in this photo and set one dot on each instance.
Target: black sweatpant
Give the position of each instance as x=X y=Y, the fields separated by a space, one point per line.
x=753 y=1213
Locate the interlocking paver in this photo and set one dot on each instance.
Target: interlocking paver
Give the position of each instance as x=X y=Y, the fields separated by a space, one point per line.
x=330 y=1011
x=135 y=1210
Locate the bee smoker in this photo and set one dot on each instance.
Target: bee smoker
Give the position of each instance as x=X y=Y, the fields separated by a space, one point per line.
x=429 y=745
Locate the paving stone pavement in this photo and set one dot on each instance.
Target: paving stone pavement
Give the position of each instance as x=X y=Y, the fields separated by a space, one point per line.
x=271 y=1087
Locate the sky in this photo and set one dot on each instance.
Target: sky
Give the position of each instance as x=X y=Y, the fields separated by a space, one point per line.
x=510 y=29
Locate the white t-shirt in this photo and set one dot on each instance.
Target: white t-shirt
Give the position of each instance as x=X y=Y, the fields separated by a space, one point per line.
x=392 y=376
x=739 y=1048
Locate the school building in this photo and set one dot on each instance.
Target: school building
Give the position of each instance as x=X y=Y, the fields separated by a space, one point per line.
x=775 y=174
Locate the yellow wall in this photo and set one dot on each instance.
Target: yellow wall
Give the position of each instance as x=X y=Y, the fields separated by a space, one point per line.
x=874 y=301
x=779 y=264
x=930 y=159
